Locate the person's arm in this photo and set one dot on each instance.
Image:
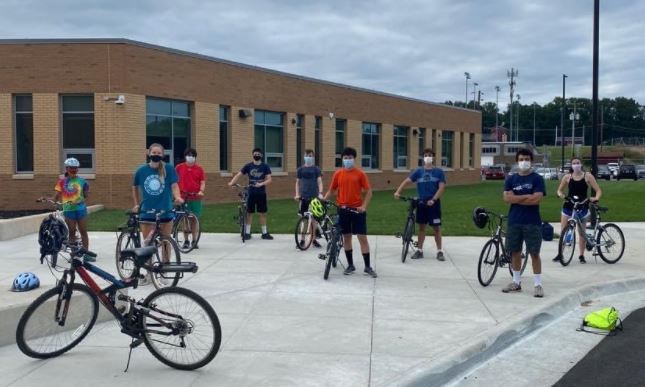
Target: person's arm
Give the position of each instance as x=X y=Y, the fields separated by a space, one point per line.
x=333 y=186
x=594 y=184
x=202 y=188
x=235 y=178
x=297 y=195
x=438 y=194
x=405 y=182
x=563 y=182
x=135 y=198
x=320 y=186
x=176 y=194
x=366 y=200
x=267 y=181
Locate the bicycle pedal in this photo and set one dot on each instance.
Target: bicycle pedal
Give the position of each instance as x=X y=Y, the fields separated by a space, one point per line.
x=322 y=256
x=135 y=343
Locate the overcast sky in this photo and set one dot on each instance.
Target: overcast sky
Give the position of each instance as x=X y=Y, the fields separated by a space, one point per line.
x=419 y=49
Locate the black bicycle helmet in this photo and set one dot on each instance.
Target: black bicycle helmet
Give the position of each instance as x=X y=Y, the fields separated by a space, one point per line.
x=480 y=217
x=51 y=236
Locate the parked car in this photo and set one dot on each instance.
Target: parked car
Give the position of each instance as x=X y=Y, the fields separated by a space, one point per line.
x=627 y=171
x=640 y=171
x=604 y=172
x=494 y=173
x=613 y=167
x=547 y=173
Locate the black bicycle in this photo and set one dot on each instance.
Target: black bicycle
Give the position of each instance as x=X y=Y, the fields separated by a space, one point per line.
x=335 y=242
x=179 y=327
x=308 y=228
x=494 y=253
x=130 y=237
x=409 y=228
x=186 y=230
x=605 y=240
x=242 y=209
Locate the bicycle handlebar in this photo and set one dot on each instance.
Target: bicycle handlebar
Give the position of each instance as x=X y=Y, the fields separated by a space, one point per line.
x=350 y=209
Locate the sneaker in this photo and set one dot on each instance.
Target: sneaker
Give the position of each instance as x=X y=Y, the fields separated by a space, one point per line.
x=350 y=270
x=538 y=292
x=89 y=258
x=417 y=255
x=267 y=236
x=369 y=271
x=512 y=288
x=582 y=259
x=247 y=237
x=186 y=245
x=195 y=247
x=558 y=258
x=440 y=256
x=316 y=244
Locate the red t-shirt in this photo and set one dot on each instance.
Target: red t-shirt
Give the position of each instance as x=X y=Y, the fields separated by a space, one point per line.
x=349 y=183
x=190 y=180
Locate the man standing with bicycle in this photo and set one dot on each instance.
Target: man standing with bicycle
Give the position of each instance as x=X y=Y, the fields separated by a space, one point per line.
x=431 y=184
x=259 y=177
x=524 y=191
x=309 y=185
x=349 y=183
x=192 y=183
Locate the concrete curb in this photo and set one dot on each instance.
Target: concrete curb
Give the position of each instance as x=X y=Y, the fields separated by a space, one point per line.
x=440 y=371
x=25 y=225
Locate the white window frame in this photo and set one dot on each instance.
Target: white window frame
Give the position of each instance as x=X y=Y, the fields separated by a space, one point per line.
x=68 y=152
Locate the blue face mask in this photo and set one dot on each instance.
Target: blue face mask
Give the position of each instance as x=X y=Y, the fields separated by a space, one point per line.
x=348 y=163
x=309 y=160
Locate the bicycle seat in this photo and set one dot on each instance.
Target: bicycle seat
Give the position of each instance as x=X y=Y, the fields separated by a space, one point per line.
x=139 y=255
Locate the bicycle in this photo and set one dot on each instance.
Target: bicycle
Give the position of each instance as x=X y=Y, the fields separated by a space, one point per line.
x=408 y=228
x=242 y=208
x=606 y=240
x=306 y=233
x=186 y=230
x=130 y=237
x=179 y=327
x=335 y=242
x=500 y=257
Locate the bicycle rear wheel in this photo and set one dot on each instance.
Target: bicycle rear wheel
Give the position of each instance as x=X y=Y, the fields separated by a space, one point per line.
x=194 y=334
x=39 y=333
x=567 y=244
x=407 y=238
x=487 y=265
x=167 y=247
x=304 y=233
x=186 y=232
x=610 y=243
x=125 y=266
x=241 y=218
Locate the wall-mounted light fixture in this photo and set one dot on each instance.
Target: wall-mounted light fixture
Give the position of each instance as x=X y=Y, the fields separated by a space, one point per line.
x=119 y=100
x=293 y=121
x=244 y=113
x=415 y=132
x=331 y=115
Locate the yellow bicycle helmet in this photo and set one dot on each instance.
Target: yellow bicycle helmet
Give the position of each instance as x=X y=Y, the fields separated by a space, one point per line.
x=316 y=208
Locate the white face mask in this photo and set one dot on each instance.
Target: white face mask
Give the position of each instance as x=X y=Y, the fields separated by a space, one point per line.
x=309 y=160
x=428 y=159
x=190 y=159
x=576 y=167
x=524 y=165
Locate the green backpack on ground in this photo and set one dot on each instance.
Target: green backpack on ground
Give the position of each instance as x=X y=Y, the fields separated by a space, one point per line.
x=604 y=319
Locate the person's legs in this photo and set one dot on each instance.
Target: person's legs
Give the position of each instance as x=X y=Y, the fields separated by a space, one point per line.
x=364 y=243
x=71 y=225
x=82 y=228
x=251 y=205
x=514 y=239
x=421 y=235
x=166 y=230
x=563 y=224
x=533 y=238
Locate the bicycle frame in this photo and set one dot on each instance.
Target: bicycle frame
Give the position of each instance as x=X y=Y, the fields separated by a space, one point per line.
x=577 y=220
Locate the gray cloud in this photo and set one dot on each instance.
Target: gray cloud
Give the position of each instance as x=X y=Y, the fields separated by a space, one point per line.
x=413 y=48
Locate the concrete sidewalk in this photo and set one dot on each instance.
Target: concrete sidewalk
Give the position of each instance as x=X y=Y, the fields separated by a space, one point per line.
x=423 y=322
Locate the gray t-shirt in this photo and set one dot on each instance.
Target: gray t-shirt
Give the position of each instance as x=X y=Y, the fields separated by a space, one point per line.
x=308 y=177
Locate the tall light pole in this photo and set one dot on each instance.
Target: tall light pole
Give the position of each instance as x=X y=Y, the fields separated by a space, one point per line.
x=564 y=83
x=467 y=74
x=594 y=98
x=512 y=73
x=534 y=106
x=475 y=84
x=573 y=117
x=496 y=105
x=517 y=119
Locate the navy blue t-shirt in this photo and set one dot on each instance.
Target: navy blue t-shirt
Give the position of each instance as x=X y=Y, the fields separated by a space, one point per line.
x=524 y=185
x=257 y=174
x=427 y=181
x=155 y=192
x=308 y=181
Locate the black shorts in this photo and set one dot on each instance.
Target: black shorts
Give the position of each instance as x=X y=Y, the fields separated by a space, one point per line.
x=257 y=203
x=304 y=206
x=352 y=223
x=429 y=215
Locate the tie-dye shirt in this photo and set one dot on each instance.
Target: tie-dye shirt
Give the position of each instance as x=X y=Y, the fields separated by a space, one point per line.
x=72 y=189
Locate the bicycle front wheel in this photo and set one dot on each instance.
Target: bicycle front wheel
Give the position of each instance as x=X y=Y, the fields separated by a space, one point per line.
x=124 y=265
x=610 y=243
x=332 y=254
x=407 y=238
x=40 y=333
x=567 y=244
x=241 y=218
x=167 y=252
x=186 y=232
x=181 y=329
x=487 y=266
x=305 y=232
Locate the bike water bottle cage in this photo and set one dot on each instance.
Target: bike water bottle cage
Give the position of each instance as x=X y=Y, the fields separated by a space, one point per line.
x=24 y=282
x=480 y=217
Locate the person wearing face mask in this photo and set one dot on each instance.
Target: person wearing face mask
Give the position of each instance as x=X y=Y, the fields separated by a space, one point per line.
x=192 y=183
x=259 y=175
x=72 y=190
x=349 y=183
x=309 y=184
x=524 y=192
x=577 y=182
x=431 y=184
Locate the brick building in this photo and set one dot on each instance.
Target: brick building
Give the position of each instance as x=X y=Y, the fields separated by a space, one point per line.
x=104 y=100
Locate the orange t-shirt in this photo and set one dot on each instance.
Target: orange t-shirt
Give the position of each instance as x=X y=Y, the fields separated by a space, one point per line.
x=349 y=183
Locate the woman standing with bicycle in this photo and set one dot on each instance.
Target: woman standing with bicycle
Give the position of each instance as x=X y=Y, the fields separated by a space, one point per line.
x=577 y=182
x=192 y=182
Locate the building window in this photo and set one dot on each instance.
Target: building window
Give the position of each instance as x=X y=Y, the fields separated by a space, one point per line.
x=24 y=126
x=471 y=149
x=168 y=123
x=400 y=147
x=224 y=137
x=489 y=150
x=300 y=120
x=269 y=137
x=370 y=154
x=422 y=145
x=446 y=149
x=340 y=140
x=78 y=130
x=317 y=139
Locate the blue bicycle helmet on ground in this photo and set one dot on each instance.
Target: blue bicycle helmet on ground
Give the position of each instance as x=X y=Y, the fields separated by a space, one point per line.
x=24 y=282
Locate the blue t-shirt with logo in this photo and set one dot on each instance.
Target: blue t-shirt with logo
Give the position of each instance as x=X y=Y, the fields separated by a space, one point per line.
x=427 y=181
x=155 y=192
x=308 y=181
x=257 y=174
x=524 y=185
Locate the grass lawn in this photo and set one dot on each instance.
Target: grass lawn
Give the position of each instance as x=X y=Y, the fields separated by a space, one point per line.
x=625 y=200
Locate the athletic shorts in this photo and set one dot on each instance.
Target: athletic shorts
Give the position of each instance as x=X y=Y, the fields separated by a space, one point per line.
x=195 y=206
x=304 y=205
x=76 y=214
x=517 y=234
x=352 y=223
x=429 y=215
x=568 y=212
x=257 y=203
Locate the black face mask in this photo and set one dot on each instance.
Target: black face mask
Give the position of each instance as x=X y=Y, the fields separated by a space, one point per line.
x=257 y=158
x=156 y=158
